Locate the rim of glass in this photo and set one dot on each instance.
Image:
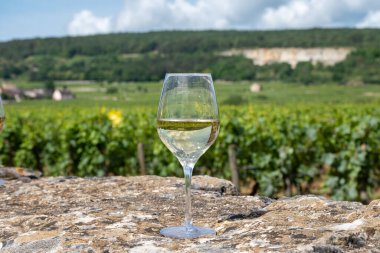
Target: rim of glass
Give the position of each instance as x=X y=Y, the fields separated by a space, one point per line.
x=188 y=74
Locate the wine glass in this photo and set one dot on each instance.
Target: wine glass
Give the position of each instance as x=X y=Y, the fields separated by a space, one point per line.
x=188 y=124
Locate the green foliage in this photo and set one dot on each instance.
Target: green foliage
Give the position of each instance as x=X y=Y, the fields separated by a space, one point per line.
x=233 y=68
x=187 y=42
x=234 y=99
x=49 y=85
x=148 y=56
x=111 y=90
x=285 y=149
x=303 y=73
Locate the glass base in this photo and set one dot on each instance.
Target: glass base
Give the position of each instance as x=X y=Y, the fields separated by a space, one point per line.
x=184 y=232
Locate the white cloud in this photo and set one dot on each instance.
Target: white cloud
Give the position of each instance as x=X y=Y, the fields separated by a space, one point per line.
x=86 y=23
x=301 y=14
x=372 y=19
x=147 y=15
x=316 y=13
x=361 y=5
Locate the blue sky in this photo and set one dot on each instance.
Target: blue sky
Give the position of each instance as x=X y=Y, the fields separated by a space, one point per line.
x=32 y=18
x=47 y=18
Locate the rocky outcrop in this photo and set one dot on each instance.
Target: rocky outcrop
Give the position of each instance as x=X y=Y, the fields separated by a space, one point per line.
x=263 y=56
x=125 y=214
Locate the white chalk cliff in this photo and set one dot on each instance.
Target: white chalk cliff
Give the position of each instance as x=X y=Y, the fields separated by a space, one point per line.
x=263 y=56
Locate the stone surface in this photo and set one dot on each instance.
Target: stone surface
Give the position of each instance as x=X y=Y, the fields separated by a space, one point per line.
x=19 y=173
x=119 y=214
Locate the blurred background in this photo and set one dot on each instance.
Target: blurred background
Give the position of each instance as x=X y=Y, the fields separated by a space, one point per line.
x=297 y=82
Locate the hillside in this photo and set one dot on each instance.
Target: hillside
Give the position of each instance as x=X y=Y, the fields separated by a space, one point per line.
x=148 y=56
x=188 y=42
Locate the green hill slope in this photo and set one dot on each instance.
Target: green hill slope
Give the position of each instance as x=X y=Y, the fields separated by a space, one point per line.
x=148 y=56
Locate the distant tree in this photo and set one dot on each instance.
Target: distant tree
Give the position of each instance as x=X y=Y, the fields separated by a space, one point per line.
x=111 y=90
x=49 y=85
x=303 y=73
x=338 y=72
x=148 y=56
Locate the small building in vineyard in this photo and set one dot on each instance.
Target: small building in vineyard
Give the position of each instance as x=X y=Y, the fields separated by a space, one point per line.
x=62 y=94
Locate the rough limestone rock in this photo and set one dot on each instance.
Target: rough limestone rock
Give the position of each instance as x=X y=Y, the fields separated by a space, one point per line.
x=125 y=214
x=293 y=56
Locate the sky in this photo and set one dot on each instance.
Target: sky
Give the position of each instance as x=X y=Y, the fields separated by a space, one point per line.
x=21 y=19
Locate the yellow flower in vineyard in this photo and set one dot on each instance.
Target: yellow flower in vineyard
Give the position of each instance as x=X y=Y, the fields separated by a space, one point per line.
x=115 y=116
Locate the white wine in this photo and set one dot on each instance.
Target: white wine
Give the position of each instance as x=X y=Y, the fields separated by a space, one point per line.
x=188 y=139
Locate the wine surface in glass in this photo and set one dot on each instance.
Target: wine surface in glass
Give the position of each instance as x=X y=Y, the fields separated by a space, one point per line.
x=188 y=139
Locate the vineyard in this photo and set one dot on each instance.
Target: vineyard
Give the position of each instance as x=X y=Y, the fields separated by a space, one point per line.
x=289 y=149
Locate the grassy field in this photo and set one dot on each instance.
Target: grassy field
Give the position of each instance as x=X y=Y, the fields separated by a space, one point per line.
x=131 y=95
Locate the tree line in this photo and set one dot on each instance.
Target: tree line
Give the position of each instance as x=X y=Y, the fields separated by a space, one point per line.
x=148 y=56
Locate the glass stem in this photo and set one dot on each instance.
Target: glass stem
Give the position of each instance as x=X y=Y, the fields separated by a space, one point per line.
x=188 y=171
